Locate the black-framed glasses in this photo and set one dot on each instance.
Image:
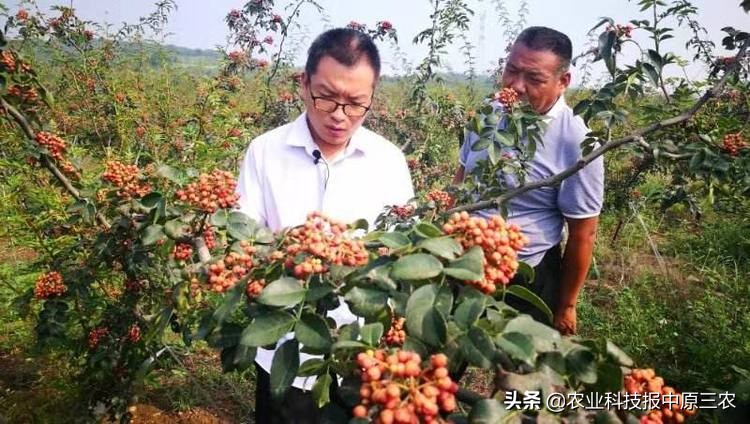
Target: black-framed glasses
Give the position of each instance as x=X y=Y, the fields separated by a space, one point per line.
x=327 y=105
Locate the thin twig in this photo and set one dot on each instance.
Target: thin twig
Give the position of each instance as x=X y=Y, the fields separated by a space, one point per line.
x=44 y=159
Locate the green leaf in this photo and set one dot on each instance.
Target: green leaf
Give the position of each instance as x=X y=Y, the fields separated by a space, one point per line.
x=504 y=138
x=380 y=275
x=427 y=230
x=608 y=378
x=176 y=229
x=481 y=144
x=529 y=296
x=172 y=174
x=581 y=363
x=360 y=224
x=470 y=309
x=417 y=266
x=468 y=267
x=545 y=338
x=618 y=355
x=219 y=218
x=424 y=319
x=267 y=329
x=321 y=390
x=517 y=345
x=286 y=291
x=477 y=347
x=366 y=302
x=445 y=247
x=395 y=240
x=313 y=366
x=526 y=271
x=371 y=333
x=284 y=368
x=152 y=234
x=349 y=344
x=240 y=230
x=231 y=299
x=313 y=332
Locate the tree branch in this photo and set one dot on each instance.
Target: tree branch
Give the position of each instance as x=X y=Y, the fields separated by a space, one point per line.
x=636 y=136
x=45 y=161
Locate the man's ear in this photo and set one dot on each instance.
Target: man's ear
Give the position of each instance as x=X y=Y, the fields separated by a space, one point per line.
x=304 y=83
x=565 y=79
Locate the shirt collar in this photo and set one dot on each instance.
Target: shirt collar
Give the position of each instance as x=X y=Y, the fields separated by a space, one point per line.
x=557 y=108
x=301 y=137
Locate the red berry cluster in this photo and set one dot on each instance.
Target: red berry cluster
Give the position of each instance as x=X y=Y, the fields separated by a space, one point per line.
x=126 y=179
x=395 y=388
x=268 y=40
x=733 y=143
x=209 y=237
x=254 y=287
x=396 y=334
x=48 y=285
x=182 y=251
x=286 y=97
x=225 y=273
x=355 y=26
x=276 y=19
x=237 y=57
x=234 y=132
x=54 y=144
x=507 y=97
x=22 y=15
x=672 y=410
x=24 y=93
x=622 y=30
x=134 y=286
x=323 y=243
x=211 y=192
x=134 y=333
x=403 y=212
x=385 y=26
x=96 y=335
x=442 y=199
x=8 y=61
x=499 y=241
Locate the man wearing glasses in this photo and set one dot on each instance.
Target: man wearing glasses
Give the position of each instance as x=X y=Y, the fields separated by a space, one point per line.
x=322 y=161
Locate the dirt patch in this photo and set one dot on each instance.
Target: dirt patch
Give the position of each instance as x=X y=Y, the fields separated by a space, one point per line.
x=148 y=414
x=13 y=255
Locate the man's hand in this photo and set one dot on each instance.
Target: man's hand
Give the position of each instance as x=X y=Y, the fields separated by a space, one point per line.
x=565 y=320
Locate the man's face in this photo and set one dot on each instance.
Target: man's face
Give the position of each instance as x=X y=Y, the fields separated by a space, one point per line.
x=536 y=76
x=343 y=84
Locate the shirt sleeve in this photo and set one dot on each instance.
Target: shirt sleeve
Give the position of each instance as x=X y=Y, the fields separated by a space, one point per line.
x=463 y=154
x=250 y=187
x=582 y=194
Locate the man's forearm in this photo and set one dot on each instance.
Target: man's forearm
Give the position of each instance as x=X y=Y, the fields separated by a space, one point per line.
x=576 y=261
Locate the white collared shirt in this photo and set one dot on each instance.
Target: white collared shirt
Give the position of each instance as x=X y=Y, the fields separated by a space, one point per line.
x=279 y=185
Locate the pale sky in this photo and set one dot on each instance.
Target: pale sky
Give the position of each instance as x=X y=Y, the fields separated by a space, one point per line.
x=200 y=23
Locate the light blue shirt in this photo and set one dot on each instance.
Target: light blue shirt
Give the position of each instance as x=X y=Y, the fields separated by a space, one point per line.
x=541 y=212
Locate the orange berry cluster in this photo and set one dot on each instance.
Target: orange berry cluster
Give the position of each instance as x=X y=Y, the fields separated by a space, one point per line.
x=442 y=199
x=733 y=143
x=126 y=179
x=254 y=287
x=26 y=94
x=323 y=243
x=209 y=237
x=8 y=61
x=507 y=97
x=96 y=335
x=225 y=273
x=211 y=192
x=672 y=411
x=499 y=241
x=54 y=144
x=134 y=333
x=182 y=251
x=395 y=389
x=48 y=285
x=396 y=334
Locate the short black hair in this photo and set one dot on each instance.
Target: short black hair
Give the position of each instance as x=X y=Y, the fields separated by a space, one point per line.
x=346 y=46
x=541 y=38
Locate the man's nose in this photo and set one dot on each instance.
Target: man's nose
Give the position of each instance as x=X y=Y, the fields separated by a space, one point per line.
x=338 y=113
